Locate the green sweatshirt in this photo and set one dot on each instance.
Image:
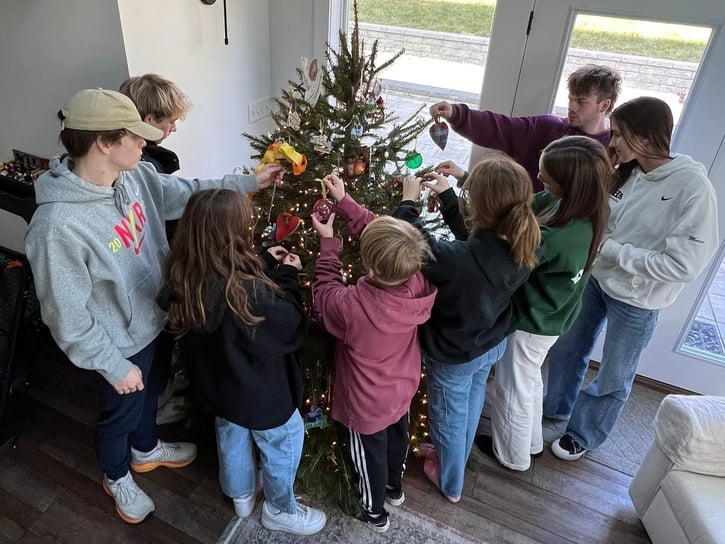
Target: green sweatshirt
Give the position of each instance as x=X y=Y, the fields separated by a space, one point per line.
x=549 y=302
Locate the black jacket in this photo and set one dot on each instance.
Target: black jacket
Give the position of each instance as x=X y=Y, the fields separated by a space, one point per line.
x=476 y=279
x=249 y=375
x=164 y=160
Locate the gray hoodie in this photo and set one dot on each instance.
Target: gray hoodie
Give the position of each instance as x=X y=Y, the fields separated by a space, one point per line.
x=97 y=257
x=662 y=232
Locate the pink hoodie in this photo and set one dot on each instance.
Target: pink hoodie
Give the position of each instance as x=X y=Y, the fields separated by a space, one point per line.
x=377 y=357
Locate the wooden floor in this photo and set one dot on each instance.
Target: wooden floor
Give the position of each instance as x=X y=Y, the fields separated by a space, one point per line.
x=50 y=485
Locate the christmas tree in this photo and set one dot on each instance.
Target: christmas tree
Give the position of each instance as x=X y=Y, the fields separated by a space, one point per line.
x=333 y=119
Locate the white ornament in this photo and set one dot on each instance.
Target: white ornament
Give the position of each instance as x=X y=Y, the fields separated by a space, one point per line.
x=311 y=80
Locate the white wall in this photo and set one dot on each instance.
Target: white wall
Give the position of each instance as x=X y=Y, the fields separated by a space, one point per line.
x=297 y=29
x=50 y=49
x=184 y=41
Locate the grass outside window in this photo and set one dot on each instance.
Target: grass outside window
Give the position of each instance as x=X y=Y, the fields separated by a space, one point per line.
x=475 y=18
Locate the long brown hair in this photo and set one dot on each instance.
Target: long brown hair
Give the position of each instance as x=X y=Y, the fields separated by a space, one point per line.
x=643 y=118
x=213 y=237
x=499 y=198
x=581 y=168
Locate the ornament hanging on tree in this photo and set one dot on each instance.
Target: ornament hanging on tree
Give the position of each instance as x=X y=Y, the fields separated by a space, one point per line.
x=285 y=225
x=268 y=238
x=413 y=159
x=439 y=133
x=323 y=207
x=320 y=141
x=434 y=203
x=377 y=89
x=281 y=150
x=392 y=187
x=312 y=83
x=293 y=119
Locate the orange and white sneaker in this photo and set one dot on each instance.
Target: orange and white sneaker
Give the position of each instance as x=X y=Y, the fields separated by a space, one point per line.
x=165 y=454
x=132 y=504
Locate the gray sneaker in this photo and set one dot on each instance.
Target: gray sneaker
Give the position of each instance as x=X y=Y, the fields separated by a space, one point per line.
x=165 y=454
x=305 y=520
x=132 y=504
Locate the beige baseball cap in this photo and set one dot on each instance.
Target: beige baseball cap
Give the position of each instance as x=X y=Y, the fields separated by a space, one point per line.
x=101 y=109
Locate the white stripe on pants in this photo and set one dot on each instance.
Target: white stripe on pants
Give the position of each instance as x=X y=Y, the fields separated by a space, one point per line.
x=517 y=399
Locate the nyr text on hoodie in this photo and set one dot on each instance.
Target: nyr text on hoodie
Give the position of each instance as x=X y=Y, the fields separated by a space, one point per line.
x=97 y=255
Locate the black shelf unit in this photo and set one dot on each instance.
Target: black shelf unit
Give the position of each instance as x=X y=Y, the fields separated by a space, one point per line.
x=17 y=303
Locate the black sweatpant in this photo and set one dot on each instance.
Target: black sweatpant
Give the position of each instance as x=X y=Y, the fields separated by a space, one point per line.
x=379 y=461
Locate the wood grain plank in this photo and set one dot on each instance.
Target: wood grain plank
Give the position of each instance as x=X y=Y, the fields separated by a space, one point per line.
x=16 y=513
x=549 y=511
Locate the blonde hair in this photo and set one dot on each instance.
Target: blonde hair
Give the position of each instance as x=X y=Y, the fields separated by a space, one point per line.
x=392 y=250
x=156 y=96
x=499 y=198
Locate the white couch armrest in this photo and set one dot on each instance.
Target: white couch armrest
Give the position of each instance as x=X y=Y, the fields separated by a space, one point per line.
x=690 y=431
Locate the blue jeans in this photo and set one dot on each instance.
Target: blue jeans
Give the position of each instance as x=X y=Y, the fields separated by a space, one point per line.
x=593 y=410
x=280 y=449
x=455 y=399
x=129 y=420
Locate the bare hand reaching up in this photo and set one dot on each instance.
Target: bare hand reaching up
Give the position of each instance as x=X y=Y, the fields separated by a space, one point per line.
x=450 y=168
x=436 y=183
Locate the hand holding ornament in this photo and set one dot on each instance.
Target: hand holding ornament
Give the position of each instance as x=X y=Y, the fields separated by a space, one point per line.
x=335 y=187
x=292 y=259
x=323 y=230
x=436 y=183
x=441 y=109
x=411 y=188
x=278 y=252
x=450 y=168
x=269 y=174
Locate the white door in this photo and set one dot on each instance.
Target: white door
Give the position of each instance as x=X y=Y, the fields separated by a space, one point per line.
x=529 y=88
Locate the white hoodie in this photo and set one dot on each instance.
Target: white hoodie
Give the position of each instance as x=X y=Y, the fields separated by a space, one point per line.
x=662 y=232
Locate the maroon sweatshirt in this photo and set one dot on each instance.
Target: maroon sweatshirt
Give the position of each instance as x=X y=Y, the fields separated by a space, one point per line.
x=521 y=138
x=377 y=356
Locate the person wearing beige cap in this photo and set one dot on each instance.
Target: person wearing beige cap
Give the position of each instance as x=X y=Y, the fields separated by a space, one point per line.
x=96 y=245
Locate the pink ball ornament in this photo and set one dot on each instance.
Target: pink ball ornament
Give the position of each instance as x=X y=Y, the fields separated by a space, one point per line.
x=323 y=209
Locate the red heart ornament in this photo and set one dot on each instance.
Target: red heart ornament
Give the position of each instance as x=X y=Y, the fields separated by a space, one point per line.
x=439 y=133
x=286 y=224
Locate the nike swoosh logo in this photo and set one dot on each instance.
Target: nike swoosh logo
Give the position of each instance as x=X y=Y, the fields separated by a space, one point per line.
x=663 y=198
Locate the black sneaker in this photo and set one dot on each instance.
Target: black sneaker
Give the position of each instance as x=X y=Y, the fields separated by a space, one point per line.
x=567 y=448
x=394 y=497
x=379 y=523
x=485 y=444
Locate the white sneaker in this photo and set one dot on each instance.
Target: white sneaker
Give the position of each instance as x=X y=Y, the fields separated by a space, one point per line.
x=305 y=520
x=165 y=454
x=244 y=505
x=132 y=504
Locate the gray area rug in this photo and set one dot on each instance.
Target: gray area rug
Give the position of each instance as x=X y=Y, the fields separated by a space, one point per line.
x=631 y=436
x=406 y=526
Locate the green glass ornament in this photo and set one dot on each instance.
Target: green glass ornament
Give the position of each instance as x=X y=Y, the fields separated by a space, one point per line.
x=413 y=159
